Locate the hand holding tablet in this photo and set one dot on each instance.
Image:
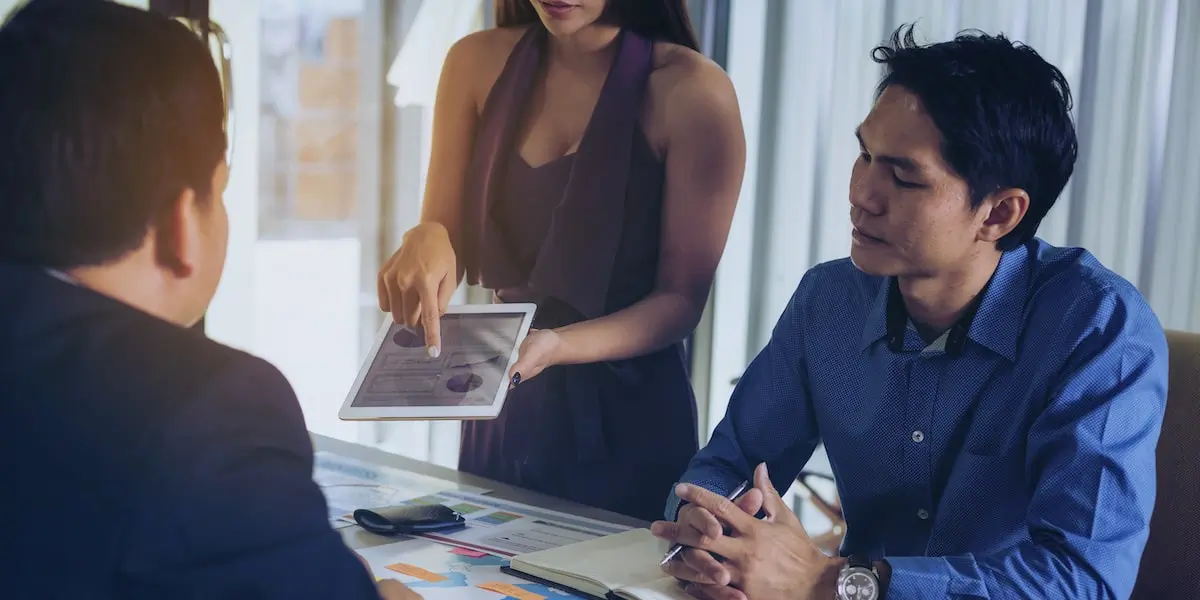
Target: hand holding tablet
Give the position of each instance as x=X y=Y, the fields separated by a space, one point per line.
x=400 y=380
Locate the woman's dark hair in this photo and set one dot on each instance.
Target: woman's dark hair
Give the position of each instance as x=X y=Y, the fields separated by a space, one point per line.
x=1003 y=111
x=659 y=20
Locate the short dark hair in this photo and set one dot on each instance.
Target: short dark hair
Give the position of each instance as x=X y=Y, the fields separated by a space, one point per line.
x=107 y=114
x=658 y=20
x=1004 y=114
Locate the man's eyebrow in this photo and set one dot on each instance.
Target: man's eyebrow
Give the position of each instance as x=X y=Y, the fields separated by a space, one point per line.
x=902 y=162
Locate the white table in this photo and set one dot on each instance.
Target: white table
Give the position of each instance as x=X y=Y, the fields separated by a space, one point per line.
x=355 y=537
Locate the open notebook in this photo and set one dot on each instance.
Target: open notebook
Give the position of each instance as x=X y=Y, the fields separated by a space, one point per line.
x=623 y=566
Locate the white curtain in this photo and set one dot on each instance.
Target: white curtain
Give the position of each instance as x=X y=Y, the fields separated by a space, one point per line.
x=1174 y=272
x=417 y=67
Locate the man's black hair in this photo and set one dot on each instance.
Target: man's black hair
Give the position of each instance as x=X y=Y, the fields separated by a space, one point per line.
x=1004 y=114
x=107 y=114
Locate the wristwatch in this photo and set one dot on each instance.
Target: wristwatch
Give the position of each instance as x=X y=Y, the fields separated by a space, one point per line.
x=858 y=580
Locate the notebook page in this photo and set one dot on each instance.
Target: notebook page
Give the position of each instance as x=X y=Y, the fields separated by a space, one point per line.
x=612 y=561
x=663 y=588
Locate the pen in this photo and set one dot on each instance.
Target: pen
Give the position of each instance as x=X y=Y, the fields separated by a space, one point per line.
x=675 y=549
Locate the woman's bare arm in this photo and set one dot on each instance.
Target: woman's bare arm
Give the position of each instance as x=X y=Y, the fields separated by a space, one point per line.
x=455 y=118
x=705 y=161
x=419 y=279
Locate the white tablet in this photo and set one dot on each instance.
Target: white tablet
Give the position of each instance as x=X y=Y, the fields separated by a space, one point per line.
x=468 y=380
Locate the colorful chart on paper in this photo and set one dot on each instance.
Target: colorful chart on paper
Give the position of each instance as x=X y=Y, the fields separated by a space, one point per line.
x=440 y=572
x=507 y=528
x=349 y=484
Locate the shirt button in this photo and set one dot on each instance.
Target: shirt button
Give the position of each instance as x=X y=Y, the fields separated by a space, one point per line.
x=918 y=436
x=922 y=514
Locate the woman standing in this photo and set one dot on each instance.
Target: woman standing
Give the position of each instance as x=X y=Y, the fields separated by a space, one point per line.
x=588 y=158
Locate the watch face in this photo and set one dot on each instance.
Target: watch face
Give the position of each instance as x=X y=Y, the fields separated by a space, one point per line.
x=858 y=584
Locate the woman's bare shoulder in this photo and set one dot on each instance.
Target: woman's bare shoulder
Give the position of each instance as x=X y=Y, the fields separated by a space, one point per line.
x=678 y=67
x=476 y=60
x=687 y=89
x=487 y=43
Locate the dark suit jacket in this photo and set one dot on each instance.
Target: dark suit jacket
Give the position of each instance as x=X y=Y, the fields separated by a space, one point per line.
x=142 y=460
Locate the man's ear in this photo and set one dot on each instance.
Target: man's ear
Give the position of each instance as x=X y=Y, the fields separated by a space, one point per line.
x=1002 y=211
x=176 y=234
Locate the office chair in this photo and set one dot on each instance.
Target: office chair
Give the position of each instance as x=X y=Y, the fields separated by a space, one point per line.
x=828 y=541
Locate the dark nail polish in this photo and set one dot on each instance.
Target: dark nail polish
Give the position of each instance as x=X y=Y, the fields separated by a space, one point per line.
x=516 y=379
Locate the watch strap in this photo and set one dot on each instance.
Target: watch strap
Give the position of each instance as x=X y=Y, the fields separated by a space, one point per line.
x=861 y=561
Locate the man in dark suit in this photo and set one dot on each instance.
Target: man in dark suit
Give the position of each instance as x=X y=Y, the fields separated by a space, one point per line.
x=139 y=459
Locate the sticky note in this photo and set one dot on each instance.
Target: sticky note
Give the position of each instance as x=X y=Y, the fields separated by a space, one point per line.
x=467 y=552
x=511 y=591
x=418 y=572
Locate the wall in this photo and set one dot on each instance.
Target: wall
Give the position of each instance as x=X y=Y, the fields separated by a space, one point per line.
x=228 y=319
x=305 y=322
x=1173 y=272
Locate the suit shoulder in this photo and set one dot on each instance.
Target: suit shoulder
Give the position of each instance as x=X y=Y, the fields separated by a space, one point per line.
x=227 y=398
x=240 y=378
x=190 y=358
x=167 y=370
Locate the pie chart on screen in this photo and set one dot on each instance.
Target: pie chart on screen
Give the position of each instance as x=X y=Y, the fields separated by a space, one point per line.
x=463 y=383
x=407 y=338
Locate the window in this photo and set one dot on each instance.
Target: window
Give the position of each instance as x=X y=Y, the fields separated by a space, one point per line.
x=310 y=70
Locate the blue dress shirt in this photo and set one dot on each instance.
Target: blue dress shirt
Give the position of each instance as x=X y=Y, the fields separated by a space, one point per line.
x=1014 y=457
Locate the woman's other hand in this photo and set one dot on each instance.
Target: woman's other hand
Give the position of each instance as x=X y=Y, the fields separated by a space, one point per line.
x=542 y=348
x=416 y=283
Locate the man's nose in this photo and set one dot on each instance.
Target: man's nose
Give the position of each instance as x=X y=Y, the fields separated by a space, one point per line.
x=864 y=195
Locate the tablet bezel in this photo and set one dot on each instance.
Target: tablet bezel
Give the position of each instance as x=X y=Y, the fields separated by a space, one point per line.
x=349 y=412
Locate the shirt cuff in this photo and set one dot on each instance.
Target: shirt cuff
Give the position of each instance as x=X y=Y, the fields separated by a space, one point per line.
x=926 y=578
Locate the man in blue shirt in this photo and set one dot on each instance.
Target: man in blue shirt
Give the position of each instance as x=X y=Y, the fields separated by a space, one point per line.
x=990 y=404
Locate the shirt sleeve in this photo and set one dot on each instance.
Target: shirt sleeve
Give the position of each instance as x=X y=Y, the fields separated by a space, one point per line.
x=769 y=418
x=241 y=516
x=1091 y=460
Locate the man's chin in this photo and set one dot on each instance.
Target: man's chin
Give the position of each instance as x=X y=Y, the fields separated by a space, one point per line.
x=872 y=262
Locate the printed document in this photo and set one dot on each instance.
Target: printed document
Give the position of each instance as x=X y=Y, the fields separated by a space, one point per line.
x=350 y=484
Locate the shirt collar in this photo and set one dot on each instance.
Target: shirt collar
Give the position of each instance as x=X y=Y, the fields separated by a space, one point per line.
x=995 y=322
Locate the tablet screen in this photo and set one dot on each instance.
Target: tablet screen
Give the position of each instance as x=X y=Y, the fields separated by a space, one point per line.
x=469 y=371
